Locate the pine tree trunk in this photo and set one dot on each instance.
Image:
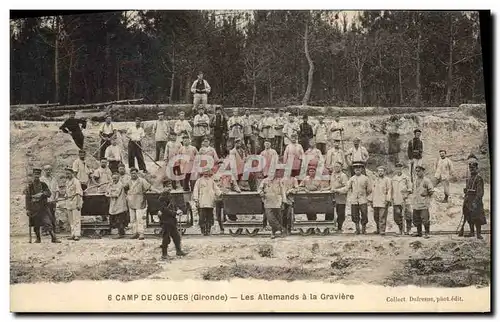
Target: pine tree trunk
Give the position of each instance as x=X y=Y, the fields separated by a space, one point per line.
x=310 y=74
x=56 y=59
x=254 y=94
x=400 y=78
x=187 y=92
x=270 y=84
x=118 y=81
x=417 y=72
x=70 y=74
x=449 y=81
x=172 y=78
x=360 y=86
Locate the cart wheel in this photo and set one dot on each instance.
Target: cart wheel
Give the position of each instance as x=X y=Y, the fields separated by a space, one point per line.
x=233 y=233
x=326 y=232
x=311 y=231
x=157 y=231
x=252 y=233
x=183 y=231
x=317 y=231
x=308 y=232
x=239 y=231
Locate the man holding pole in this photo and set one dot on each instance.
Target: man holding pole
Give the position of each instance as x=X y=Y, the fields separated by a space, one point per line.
x=82 y=170
x=53 y=185
x=73 y=204
x=106 y=133
x=135 y=134
x=161 y=131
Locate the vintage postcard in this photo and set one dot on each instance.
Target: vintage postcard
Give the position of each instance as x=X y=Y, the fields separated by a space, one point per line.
x=250 y=161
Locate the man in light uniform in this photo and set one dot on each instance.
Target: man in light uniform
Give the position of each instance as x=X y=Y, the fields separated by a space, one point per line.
x=117 y=205
x=161 y=131
x=186 y=164
x=270 y=156
x=205 y=194
x=358 y=189
x=83 y=172
x=135 y=134
x=137 y=204
x=200 y=90
x=278 y=138
x=235 y=128
x=290 y=128
x=320 y=134
x=422 y=193
x=102 y=176
x=53 y=185
x=357 y=154
x=201 y=128
x=114 y=155
x=73 y=204
x=444 y=172
x=273 y=195
x=295 y=152
x=171 y=150
x=335 y=155
x=338 y=180
x=249 y=125
x=266 y=128
x=107 y=132
x=401 y=188
x=182 y=127
x=380 y=199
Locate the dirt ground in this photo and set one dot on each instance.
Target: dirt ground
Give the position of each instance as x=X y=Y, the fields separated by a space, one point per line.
x=442 y=260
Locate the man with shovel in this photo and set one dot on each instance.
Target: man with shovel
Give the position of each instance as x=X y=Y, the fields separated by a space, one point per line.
x=135 y=134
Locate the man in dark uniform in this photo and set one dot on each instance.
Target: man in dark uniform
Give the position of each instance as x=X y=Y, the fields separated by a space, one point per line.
x=72 y=126
x=219 y=124
x=473 y=208
x=415 y=152
x=37 y=208
x=305 y=133
x=168 y=221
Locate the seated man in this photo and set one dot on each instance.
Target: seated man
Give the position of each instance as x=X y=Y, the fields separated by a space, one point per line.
x=311 y=183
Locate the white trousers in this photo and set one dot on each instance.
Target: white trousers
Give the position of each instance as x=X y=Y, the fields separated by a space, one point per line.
x=75 y=222
x=137 y=220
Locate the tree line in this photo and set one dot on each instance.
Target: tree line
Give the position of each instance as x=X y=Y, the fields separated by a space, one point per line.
x=250 y=58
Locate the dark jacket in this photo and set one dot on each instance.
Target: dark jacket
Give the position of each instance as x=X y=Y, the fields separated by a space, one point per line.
x=168 y=211
x=73 y=125
x=415 y=149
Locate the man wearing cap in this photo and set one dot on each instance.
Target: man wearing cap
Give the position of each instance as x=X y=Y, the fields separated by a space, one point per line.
x=380 y=199
x=239 y=154
x=294 y=152
x=313 y=155
x=291 y=127
x=401 y=189
x=270 y=156
x=310 y=184
x=107 y=132
x=473 y=208
x=182 y=127
x=280 y=124
x=335 y=155
x=336 y=127
x=338 y=180
x=137 y=204
x=53 y=185
x=135 y=134
x=422 y=193
x=168 y=219
x=37 y=210
x=210 y=152
x=249 y=126
x=103 y=176
x=305 y=133
x=357 y=154
x=114 y=155
x=444 y=172
x=219 y=124
x=189 y=153
x=205 y=194
x=73 y=204
x=201 y=127
x=200 y=90
x=235 y=126
x=320 y=134
x=358 y=189
x=273 y=195
x=266 y=128
x=82 y=170
x=117 y=205
x=124 y=176
x=415 y=152
x=172 y=149
x=161 y=131
x=72 y=126
x=226 y=183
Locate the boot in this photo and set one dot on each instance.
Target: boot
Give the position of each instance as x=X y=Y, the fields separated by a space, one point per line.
x=357 y=229
x=363 y=229
x=53 y=236
x=472 y=231
x=478 y=230
x=461 y=232
x=408 y=227
x=445 y=200
x=427 y=230
x=208 y=229
x=141 y=237
x=164 y=253
x=178 y=251
x=38 y=237
x=419 y=231
x=134 y=236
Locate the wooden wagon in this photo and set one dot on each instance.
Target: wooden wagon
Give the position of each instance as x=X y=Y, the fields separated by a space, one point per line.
x=96 y=204
x=314 y=202
x=243 y=204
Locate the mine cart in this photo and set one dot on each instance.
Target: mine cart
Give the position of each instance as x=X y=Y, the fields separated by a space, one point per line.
x=315 y=202
x=181 y=201
x=236 y=206
x=95 y=205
